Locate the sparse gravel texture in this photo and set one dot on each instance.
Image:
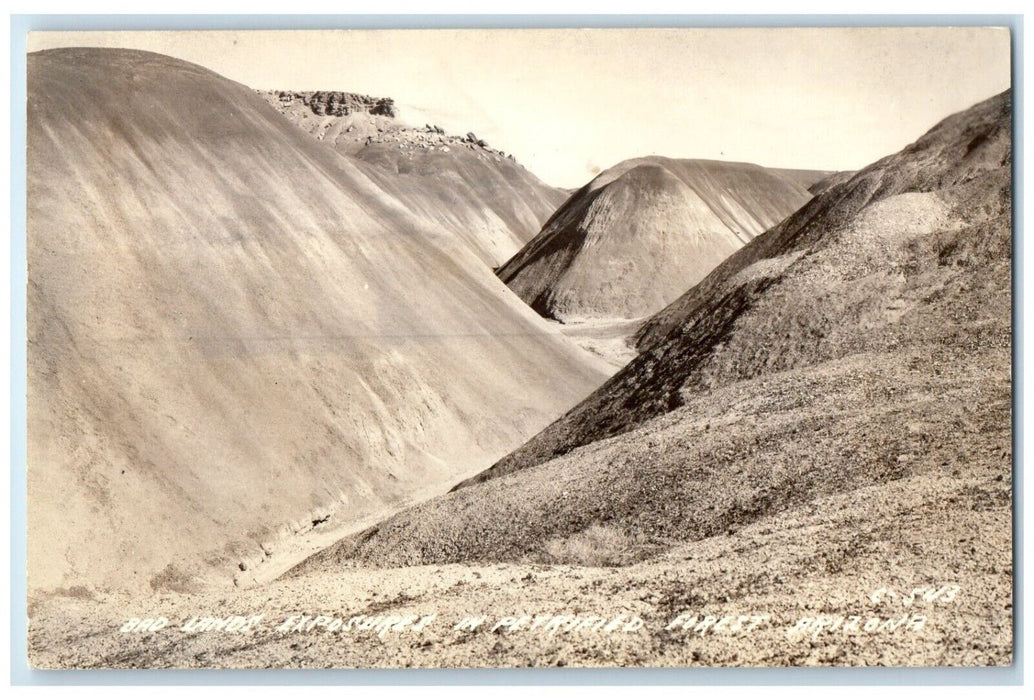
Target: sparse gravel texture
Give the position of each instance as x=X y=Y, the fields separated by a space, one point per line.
x=731 y=457
x=822 y=561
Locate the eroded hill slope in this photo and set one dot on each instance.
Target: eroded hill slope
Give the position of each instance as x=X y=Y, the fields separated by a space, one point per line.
x=231 y=326
x=642 y=232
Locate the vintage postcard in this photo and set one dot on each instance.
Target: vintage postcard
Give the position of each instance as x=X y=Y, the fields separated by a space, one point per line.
x=508 y=348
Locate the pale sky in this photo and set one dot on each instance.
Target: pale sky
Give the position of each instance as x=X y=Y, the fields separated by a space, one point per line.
x=570 y=102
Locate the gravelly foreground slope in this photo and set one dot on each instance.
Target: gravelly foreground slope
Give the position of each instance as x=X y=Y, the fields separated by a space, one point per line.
x=821 y=584
x=642 y=232
x=234 y=329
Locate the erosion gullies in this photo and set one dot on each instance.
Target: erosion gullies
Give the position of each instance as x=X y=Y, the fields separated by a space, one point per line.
x=863 y=343
x=478 y=193
x=231 y=326
x=642 y=232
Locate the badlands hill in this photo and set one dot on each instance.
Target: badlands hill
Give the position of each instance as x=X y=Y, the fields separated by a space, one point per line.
x=641 y=233
x=805 y=178
x=480 y=194
x=233 y=330
x=830 y=180
x=858 y=351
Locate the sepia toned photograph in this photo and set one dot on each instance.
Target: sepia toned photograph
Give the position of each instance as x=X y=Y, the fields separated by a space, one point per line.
x=520 y=348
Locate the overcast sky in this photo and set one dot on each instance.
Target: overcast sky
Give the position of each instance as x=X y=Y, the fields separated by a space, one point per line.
x=568 y=103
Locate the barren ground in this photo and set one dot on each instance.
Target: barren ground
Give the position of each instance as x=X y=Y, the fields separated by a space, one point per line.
x=822 y=561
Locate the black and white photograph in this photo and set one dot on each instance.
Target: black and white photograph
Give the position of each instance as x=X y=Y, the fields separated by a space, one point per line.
x=517 y=348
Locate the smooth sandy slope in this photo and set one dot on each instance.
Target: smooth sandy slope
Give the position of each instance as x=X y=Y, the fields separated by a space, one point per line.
x=644 y=231
x=234 y=333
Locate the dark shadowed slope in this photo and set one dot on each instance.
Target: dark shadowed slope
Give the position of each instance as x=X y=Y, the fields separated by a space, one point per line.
x=231 y=326
x=864 y=341
x=639 y=234
x=480 y=194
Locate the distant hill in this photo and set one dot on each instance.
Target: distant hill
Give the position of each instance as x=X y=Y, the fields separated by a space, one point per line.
x=805 y=178
x=233 y=330
x=639 y=234
x=480 y=194
x=863 y=343
x=831 y=180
